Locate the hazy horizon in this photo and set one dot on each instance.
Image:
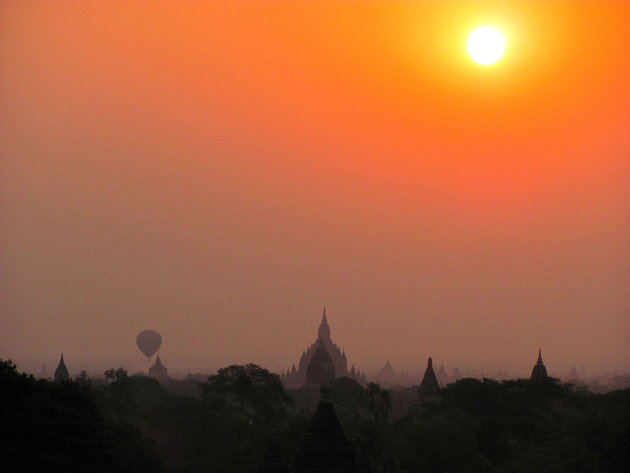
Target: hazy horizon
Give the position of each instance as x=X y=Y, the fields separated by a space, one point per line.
x=179 y=367
x=220 y=171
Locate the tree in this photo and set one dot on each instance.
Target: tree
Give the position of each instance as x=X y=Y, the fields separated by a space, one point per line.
x=250 y=390
x=48 y=426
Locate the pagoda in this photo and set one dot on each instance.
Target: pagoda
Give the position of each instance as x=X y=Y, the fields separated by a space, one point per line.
x=539 y=371
x=325 y=447
x=429 y=387
x=297 y=377
x=61 y=373
x=158 y=370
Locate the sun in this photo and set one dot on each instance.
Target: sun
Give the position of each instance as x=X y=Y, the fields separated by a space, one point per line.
x=485 y=45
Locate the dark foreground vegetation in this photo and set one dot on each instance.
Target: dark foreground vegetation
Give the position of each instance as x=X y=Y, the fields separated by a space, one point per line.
x=133 y=424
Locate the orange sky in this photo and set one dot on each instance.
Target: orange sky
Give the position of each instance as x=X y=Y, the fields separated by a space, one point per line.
x=220 y=170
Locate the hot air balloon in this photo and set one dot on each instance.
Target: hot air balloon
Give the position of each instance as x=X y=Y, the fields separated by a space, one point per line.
x=149 y=341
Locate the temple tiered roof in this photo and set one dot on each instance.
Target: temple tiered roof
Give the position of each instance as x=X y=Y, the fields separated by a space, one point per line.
x=321 y=368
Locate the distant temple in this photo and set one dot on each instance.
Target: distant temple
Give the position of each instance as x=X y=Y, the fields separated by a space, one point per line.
x=539 y=371
x=158 y=370
x=61 y=373
x=43 y=373
x=429 y=387
x=442 y=376
x=387 y=377
x=294 y=378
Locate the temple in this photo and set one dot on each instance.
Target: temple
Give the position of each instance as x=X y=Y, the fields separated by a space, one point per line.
x=429 y=387
x=389 y=378
x=61 y=373
x=325 y=447
x=43 y=373
x=573 y=376
x=442 y=376
x=539 y=371
x=295 y=378
x=158 y=370
x=320 y=369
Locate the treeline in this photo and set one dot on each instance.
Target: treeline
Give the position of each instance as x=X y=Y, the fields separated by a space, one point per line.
x=133 y=424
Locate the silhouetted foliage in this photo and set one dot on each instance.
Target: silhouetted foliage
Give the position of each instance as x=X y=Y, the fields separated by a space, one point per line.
x=134 y=424
x=54 y=427
x=514 y=426
x=252 y=391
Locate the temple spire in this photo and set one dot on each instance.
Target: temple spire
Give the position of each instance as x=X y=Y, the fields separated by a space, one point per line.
x=324 y=328
x=61 y=373
x=539 y=371
x=429 y=386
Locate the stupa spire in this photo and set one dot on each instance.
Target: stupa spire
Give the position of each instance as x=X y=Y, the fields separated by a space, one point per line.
x=61 y=373
x=324 y=328
x=539 y=371
x=429 y=385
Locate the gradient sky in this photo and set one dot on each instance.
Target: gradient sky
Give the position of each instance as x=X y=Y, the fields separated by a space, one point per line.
x=218 y=171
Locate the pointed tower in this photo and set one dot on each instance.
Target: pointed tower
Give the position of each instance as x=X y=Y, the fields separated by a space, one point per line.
x=324 y=329
x=61 y=373
x=539 y=371
x=325 y=447
x=429 y=386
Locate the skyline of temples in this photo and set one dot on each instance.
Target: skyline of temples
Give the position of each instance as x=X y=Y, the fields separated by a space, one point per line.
x=324 y=368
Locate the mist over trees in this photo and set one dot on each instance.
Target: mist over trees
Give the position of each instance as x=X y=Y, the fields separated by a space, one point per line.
x=126 y=423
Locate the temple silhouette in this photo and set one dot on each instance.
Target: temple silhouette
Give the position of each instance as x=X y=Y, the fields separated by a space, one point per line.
x=321 y=368
x=61 y=373
x=429 y=387
x=390 y=378
x=43 y=373
x=325 y=447
x=326 y=350
x=539 y=371
x=159 y=371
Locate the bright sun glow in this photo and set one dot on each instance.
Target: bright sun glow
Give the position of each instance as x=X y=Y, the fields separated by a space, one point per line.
x=485 y=45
